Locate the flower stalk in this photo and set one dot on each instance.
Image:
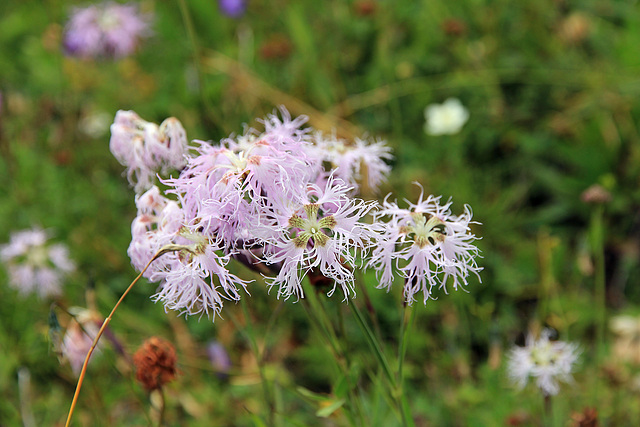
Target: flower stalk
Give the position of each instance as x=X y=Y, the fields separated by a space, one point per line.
x=101 y=331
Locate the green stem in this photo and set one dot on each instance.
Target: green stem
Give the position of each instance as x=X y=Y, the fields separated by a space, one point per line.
x=405 y=328
x=248 y=332
x=321 y=322
x=397 y=392
x=193 y=39
x=548 y=410
x=596 y=231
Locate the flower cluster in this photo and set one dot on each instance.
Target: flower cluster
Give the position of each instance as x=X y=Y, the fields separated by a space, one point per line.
x=35 y=265
x=105 y=30
x=232 y=8
x=283 y=202
x=547 y=361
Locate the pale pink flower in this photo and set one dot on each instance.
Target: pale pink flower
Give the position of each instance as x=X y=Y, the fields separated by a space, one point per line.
x=427 y=245
x=34 y=264
x=146 y=148
x=79 y=337
x=354 y=162
x=107 y=29
x=193 y=277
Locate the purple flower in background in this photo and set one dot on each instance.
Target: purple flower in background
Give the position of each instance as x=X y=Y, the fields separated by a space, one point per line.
x=219 y=359
x=106 y=29
x=233 y=8
x=79 y=336
x=34 y=265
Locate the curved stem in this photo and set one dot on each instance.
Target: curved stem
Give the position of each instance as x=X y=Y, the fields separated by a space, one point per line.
x=101 y=331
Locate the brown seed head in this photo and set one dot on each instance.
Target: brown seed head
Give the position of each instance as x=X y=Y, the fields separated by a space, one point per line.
x=587 y=418
x=155 y=363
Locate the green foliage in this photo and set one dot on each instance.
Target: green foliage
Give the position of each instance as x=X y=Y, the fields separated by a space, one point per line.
x=551 y=87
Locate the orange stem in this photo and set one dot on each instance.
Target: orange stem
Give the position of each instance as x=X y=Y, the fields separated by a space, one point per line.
x=102 y=328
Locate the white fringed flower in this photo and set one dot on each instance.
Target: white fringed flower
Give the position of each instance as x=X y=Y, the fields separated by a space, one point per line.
x=547 y=361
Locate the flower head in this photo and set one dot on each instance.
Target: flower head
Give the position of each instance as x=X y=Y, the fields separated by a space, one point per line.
x=233 y=8
x=445 y=119
x=356 y=162
x=317 y=229
x=547 y=361
x=193 y=278
x=146 y=148
x=107 y=29
x=34 y=265
x=427 y=244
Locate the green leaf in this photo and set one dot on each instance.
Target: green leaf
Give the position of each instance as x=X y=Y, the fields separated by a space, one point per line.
x=328 y=410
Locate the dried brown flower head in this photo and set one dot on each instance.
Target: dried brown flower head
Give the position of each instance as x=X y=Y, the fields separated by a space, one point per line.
x=587 y=418
x=155 y=363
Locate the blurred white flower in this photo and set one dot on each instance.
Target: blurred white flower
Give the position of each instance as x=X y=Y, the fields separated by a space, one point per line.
x=627 y=338
x=95 y=124
x=445 y=119
x=33 y=264
x=546 y=361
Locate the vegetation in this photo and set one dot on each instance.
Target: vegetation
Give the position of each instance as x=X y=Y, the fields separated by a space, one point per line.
x=550 y=87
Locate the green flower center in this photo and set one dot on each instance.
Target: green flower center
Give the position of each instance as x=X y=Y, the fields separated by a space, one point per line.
x=311 y=227
x=425 y=232
x=543 y=355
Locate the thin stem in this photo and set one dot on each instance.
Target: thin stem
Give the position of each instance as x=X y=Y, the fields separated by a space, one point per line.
x=396 y=391
x=597 y=245
x=548 y=410
x=193 y=39
x=396 y=387
x=268 y=396
x=321 y=322
x=355 y=401
x=373 y=343
x=408 y=316
x=156 y=412
x=101 y=331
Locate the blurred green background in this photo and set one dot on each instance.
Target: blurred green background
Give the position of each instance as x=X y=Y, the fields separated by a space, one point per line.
x=551 y=87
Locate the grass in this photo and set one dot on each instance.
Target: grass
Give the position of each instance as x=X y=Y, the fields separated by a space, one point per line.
x=551 y=88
